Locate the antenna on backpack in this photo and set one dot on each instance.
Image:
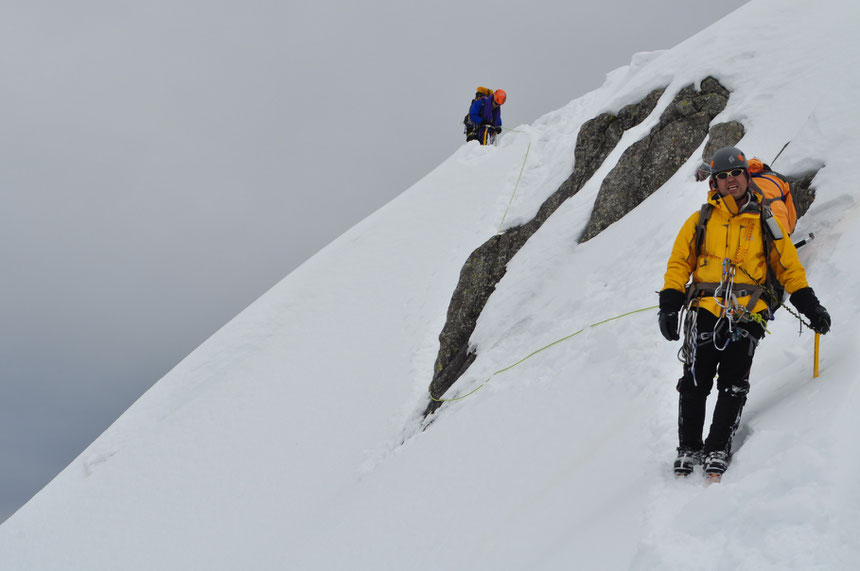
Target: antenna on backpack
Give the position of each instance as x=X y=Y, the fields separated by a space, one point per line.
x=780 y=152
x=808 y=119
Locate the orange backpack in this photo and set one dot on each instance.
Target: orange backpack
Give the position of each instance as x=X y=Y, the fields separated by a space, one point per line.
x=776 y=193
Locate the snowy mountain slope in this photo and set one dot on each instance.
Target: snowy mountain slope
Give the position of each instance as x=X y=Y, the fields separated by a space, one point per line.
x=277 y=444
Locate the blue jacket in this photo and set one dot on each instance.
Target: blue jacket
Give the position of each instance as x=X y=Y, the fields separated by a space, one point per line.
x=482 y=112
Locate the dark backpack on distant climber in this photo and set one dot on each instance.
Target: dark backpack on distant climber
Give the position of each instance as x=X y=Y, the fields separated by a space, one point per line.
x=479 y=93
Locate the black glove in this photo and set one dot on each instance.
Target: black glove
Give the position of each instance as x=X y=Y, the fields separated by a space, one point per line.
x=668 y=321
x=671 y=302
x=807 y=303
x=498 y=130
x=821 y=321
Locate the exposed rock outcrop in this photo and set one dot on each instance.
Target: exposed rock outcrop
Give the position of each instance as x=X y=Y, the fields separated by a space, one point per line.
x=802 y=191
x=722 y=135
x=647 y=164
x=597 y=138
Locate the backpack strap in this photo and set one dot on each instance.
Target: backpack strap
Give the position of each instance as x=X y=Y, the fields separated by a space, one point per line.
x=698 y=242
x=701 y=227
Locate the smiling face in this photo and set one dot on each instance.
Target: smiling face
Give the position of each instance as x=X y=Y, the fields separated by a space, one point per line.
x=736 y=185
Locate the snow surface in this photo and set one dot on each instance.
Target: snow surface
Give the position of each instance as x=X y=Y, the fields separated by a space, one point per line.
x=292 y=438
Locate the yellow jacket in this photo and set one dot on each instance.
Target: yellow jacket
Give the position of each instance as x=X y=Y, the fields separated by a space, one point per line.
x=737 y=236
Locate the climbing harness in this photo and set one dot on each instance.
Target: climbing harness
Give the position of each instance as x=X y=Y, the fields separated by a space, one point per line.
x=726 y=294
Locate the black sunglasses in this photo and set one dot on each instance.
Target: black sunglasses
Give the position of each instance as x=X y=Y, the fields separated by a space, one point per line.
x=725 y=174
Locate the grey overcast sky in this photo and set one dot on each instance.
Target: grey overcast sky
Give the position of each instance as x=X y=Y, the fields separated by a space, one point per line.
x=165 y=162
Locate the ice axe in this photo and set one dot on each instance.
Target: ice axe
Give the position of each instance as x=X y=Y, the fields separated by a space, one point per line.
x=815 y=358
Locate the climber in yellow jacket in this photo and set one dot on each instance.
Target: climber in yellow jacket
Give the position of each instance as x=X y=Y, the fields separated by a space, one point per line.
x=735 y=251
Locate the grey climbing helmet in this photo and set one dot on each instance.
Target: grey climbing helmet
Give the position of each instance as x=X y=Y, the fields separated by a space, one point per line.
x=728 y=158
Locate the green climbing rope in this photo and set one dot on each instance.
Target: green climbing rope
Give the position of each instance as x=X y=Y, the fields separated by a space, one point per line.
x=517 y=185
x=544 y=348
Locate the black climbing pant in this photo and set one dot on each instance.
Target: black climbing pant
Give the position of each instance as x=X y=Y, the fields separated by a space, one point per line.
x=727 y=355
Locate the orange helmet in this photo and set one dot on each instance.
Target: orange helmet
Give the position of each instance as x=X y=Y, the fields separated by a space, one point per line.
x=500 y=96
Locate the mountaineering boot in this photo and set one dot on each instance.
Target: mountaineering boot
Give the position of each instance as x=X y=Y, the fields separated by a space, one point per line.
x=687 y=459
x=716 y=463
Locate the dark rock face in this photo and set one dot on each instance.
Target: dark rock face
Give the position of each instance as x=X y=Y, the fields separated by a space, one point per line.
x=647 y=164
x=478 y=279
x=802 y=192
x=595 y=141
x=487 y=265
x=723 y=135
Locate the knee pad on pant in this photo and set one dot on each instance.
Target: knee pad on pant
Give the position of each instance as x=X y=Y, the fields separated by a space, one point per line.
x=737 y=390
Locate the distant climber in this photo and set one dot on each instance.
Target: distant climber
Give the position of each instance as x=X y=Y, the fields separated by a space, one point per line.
x=484 y=120
x=469 y=128
x=736 y=253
